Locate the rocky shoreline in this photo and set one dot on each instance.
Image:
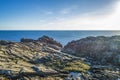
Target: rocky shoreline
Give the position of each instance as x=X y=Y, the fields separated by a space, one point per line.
x=92 y=58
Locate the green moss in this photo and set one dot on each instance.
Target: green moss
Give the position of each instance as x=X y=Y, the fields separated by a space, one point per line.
x=76 y=65
x=66 y=65
x=15 y=60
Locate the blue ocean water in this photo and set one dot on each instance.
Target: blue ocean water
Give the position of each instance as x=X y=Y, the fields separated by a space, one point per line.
x=62 y=36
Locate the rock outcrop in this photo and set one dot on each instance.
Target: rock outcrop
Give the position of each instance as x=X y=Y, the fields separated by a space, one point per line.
x=32 y=59
x=50 y=42
x=103 y=49
x=4 y=42
x=15 y=55
x=44 y=40
x=26 y=40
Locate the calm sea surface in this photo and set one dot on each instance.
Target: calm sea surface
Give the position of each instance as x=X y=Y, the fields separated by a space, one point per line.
x=61 y=36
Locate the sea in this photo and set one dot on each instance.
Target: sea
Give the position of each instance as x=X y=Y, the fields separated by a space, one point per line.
x=62 y=36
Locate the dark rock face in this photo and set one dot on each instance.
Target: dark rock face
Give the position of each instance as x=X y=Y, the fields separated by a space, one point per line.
x=103 y=49
x=4 y=42
x=26 y=40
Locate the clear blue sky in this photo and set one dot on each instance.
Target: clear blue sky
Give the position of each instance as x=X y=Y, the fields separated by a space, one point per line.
x=37 y=14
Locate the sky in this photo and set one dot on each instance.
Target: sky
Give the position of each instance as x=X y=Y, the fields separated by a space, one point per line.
x=59 y=14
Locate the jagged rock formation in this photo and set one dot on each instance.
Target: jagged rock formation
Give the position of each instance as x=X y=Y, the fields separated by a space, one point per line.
x=40 y=57
x=15 y=56
x=32 y=59
x=102 y=49
x=45 y=40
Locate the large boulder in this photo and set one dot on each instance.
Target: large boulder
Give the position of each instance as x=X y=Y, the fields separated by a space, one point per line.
x=99 y=48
